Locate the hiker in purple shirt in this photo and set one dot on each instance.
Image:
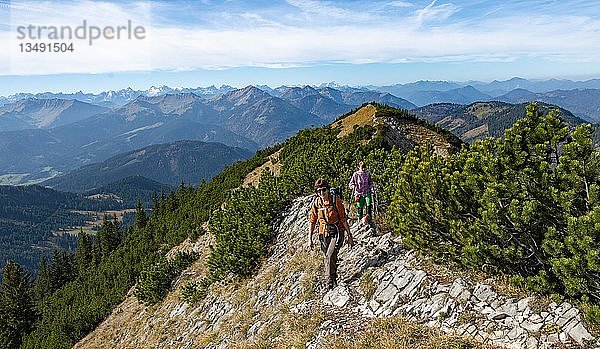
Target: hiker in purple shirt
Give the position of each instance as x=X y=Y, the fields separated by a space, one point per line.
x=362 y=185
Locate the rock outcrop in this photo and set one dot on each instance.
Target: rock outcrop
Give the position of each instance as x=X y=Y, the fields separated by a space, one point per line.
x=284 y=305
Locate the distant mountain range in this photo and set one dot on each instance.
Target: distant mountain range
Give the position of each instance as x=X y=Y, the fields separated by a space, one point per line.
x=310 y=98
x=44 y=136
x=248 y=118
x=35 y=154
x=44 y=113
x=460 y=95
x=483 y=119
x=495 y=88
x=408 y=88
x=171 y=163
x=328 y=103
x=584 y=103
x=118 y=98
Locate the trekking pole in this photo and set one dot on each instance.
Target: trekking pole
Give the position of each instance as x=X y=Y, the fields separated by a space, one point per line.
x=375 y=204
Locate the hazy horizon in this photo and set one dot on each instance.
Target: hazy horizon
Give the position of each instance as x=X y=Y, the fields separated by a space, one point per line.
x=74 y=89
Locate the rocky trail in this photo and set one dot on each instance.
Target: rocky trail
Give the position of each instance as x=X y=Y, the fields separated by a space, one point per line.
x=285 y=304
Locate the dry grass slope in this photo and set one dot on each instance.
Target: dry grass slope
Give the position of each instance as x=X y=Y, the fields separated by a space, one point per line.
x=398 y=333
x=477 y=132
x=364 y=116
x=273 y=165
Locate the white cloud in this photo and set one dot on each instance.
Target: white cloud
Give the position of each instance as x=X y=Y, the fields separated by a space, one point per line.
x=257 y=19
x=268 y=43
x=319 y=9
x=432 y=12
x=400 y=4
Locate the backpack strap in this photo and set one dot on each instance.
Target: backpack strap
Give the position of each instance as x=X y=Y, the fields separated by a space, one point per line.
x=334 y=204
x=315 y=203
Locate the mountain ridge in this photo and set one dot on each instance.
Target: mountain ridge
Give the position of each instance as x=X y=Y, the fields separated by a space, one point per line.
x=483 y=119
x=131 y=190
x=249 y=118
x=113 y=98
x=170 y=163
x=584 y=103
x=44 y=113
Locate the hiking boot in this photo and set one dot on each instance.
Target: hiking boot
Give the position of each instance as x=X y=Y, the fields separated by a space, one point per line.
x=363 y=222
x=332 y=283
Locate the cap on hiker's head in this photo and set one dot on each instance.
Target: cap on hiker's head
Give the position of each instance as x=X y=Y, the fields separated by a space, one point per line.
x=321 y=184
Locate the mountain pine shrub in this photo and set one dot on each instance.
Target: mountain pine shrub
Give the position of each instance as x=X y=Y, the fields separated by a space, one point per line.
x=155 y=281
x=524 y=205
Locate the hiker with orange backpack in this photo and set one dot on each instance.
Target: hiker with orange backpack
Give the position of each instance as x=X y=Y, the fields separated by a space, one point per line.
x=362 y=184
x=328 y=211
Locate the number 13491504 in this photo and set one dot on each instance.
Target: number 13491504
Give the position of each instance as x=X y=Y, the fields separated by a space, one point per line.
x=46 y=47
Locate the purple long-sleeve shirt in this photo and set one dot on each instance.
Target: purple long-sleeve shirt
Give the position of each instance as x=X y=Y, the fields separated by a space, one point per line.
x=361 y=183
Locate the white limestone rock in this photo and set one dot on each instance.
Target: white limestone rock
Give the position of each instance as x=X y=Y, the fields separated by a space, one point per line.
x=338 y=297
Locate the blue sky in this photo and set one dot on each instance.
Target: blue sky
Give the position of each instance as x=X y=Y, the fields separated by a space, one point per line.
x=201 y=43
